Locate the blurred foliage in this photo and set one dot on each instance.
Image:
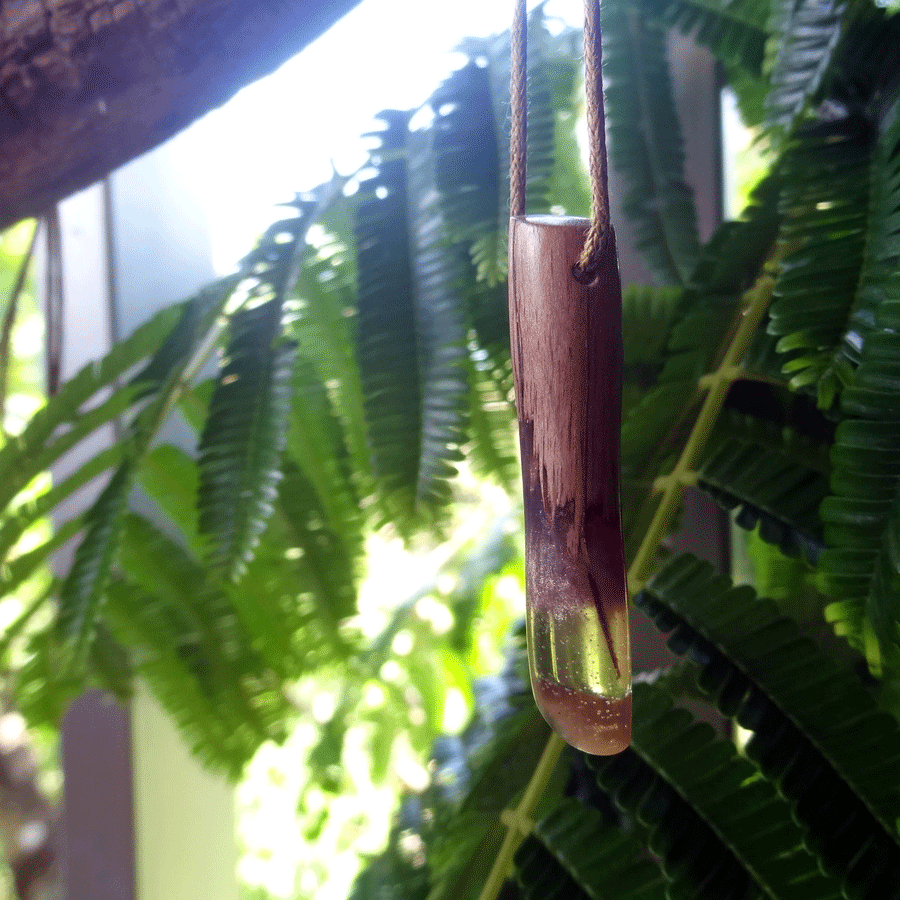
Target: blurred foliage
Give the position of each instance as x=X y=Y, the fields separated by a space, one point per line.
x=362 y=404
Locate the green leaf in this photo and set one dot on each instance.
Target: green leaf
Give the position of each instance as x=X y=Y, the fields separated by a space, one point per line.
x=774 y=477
x=222 y=723
x=824 y=203
x=661 y=392
x=719 y=830
x=316 y=443
x=861 y=516
x=471 y=135
x=169 y=477
x=493 y=433
x=734 y=30
x=805 y=34
x=23 y=516
x=646 y=146
x=311 y=563
x=608 y=863
x=197 y=317
x=467 y=833
x=46 y=438
x=242 y=441
x=411 y=335
x=879 y=285
x=540 y=876
x=82 y=589
x=216 y=660
x=325 y=331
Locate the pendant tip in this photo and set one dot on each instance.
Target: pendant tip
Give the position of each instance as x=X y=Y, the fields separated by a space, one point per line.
x=588 y=722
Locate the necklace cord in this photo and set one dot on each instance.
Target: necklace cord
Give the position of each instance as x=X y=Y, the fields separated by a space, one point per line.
x=598 y=231
x=518 y=92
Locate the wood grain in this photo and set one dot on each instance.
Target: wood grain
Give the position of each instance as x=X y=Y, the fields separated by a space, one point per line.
x=566 y=342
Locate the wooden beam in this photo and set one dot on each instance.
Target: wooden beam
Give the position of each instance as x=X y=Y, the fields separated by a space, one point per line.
x=87 y=85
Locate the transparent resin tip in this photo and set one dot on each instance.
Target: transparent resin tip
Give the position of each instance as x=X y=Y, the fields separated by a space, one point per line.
x=582 y=688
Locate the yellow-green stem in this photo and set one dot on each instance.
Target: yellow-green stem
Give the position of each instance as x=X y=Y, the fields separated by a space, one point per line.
x=530 y=799
x=716 y=385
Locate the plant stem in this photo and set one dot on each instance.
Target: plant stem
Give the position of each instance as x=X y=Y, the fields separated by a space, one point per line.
x=716 y=385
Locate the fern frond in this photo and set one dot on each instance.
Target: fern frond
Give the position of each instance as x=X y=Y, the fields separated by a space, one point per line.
x=540 y=876
x=243 y=438
x=719 y=831
x=799 y=702
x=655 y=420
x=83 y=587
x=411 y=336
x=169 y=477
x=472 y=165
x=471 y=134
x=20 y=569
x=735 y=32
x=648 y=317
x=317 y=445
x=861 y=516
x=202 y=654
x=70 y=416
x=222 y=727
x=165 y=376
x=774 y=477
x=493 y=435
x=646 y=146
x=320 y=579
x=21 y=517
x=866 y=60
x=805 y=34
x=324 y=328
x=608 y=863
x=467 y=833
x=245 y=432
x=195 y=318
x=824 y=203
x=879 y=279
x=46 y=683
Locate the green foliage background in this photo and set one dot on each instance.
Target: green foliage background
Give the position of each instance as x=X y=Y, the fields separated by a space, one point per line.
x=364 y=363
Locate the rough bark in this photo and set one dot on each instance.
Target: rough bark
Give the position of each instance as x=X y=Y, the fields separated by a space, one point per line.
x=87 y=85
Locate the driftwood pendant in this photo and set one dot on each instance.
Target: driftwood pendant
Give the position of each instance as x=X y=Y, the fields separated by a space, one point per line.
x=566 y=341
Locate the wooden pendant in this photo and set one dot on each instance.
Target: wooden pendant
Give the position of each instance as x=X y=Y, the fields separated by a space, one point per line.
x=566 y=340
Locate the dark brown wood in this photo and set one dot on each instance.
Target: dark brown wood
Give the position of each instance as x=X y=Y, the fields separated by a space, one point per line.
x=87 y=85
x=566 y=340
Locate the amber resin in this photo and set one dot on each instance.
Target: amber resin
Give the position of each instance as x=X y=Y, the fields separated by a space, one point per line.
x=567 y=356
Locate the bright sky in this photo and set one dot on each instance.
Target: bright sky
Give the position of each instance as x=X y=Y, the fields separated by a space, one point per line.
x=279 y=135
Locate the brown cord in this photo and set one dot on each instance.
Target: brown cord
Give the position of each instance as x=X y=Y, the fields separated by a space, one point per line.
x=518 y=134
x=595 y=241
x=53 y=304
